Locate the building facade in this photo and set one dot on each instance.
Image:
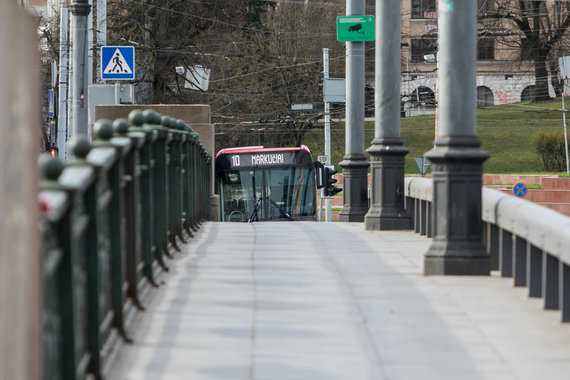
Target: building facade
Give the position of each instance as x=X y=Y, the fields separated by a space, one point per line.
x=505 y=73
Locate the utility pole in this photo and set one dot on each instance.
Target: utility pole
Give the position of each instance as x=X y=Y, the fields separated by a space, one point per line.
x=90 y=46
x=62 y=93
x=327 y=131
x=101 y=30
x=565 y=132
x=80 y=9
x=564 y=75
x=354 y=164
x=457 y=160
x=387 y=151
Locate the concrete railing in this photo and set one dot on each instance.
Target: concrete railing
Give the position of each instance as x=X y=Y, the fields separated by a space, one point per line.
x=525 y=241
x=112 y=217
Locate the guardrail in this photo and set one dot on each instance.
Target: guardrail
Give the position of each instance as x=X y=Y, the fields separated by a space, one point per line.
x=525 y=241
x=111 y=219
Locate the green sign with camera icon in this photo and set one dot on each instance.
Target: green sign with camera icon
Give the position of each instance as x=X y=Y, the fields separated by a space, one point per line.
x=355 y=28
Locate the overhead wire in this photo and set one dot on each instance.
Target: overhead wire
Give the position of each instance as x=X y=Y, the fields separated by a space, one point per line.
x=295 y=36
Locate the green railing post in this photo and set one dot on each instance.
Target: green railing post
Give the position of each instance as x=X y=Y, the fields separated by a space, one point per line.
x=120 y=303
x=173 y=167
x=103 y=261
x=186 y=176
x=160 y=186
x=130 y=184
x=202 y=174
x=193 y=180
x=196 y=180
x=98 y=200
x=178 y=177
x=85 y=258
x=145 y=171
x=208 y=185
x=63 y=340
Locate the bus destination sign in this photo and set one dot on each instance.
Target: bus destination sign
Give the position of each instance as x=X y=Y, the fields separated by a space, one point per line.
x=236 y=161
x=261 y=159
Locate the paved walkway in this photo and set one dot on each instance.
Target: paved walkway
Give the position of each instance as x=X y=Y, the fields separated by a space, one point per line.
x=311 y=301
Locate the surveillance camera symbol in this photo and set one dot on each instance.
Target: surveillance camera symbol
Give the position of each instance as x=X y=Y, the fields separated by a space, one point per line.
x=356 y=28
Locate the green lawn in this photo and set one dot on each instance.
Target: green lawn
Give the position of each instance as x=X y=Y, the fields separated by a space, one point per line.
x=505 y=132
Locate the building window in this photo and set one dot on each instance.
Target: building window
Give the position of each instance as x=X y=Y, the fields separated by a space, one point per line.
x=485 y=97
x=422 y=47
x=527 y=93
x=423 y=95
x=420 y=7
x=485 y=6
x=486 y=49
x=525 y=50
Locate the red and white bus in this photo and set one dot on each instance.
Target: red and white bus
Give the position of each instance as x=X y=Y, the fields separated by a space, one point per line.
x=263 y=184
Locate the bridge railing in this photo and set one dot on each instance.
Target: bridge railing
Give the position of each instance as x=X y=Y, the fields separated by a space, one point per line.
x=525 y=241
x=111 y=219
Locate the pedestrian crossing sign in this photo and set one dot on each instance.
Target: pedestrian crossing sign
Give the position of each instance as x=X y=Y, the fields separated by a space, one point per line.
x=118 y=62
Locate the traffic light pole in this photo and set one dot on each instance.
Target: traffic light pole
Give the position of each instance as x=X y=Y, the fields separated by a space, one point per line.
x=327 y=131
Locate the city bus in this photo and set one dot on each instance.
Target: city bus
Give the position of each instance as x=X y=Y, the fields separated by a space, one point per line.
x=266 y=184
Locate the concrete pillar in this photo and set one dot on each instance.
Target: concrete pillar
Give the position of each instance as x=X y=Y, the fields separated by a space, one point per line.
x=20 y=259
x=79 y=9
x=354 y=164
x=387 y=151
x=457 y=160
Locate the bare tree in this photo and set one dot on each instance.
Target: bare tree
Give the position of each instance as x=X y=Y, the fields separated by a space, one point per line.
x=540 y=25
x=264 y=56
x=277 y=69
x=48 y=32
x=167 y=33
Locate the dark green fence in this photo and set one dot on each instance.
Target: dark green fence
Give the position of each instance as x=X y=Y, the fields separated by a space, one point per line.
x=111 y=219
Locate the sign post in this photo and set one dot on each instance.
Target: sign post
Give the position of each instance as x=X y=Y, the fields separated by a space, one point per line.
x=327 y=133
x=564 y=63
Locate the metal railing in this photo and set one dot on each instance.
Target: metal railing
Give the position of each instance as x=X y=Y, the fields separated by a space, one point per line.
x=111 y=219
x=525 y=241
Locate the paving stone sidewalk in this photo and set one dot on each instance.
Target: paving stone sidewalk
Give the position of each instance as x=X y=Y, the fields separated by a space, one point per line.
x=311 y=301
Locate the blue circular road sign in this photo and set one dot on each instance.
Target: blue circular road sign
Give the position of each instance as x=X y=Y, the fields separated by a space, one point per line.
x=520 y=190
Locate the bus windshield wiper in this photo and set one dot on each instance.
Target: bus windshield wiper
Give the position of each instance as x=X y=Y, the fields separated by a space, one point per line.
x=254 y=213
x=278 y=207
x=272 y=202
x=256 y=201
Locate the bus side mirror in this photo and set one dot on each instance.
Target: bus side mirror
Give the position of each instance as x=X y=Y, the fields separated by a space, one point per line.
x=320 y=174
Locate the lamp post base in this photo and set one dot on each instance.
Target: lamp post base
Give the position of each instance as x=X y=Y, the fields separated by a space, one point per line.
x=354 y=188
x=387 y=184
x=457 y=247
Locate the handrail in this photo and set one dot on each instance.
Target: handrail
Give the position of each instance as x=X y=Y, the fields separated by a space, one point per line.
x=542 y=227
x=113 y=217
x=525 y=240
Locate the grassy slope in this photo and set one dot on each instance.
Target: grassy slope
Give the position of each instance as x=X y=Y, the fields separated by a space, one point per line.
x=505 y=132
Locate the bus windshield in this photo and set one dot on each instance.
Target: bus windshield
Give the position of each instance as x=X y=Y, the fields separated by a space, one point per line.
x=264 y=191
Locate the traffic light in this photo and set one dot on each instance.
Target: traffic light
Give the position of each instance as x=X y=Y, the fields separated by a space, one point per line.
x=320 y=174
x=330 y=189
x=53 y=151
